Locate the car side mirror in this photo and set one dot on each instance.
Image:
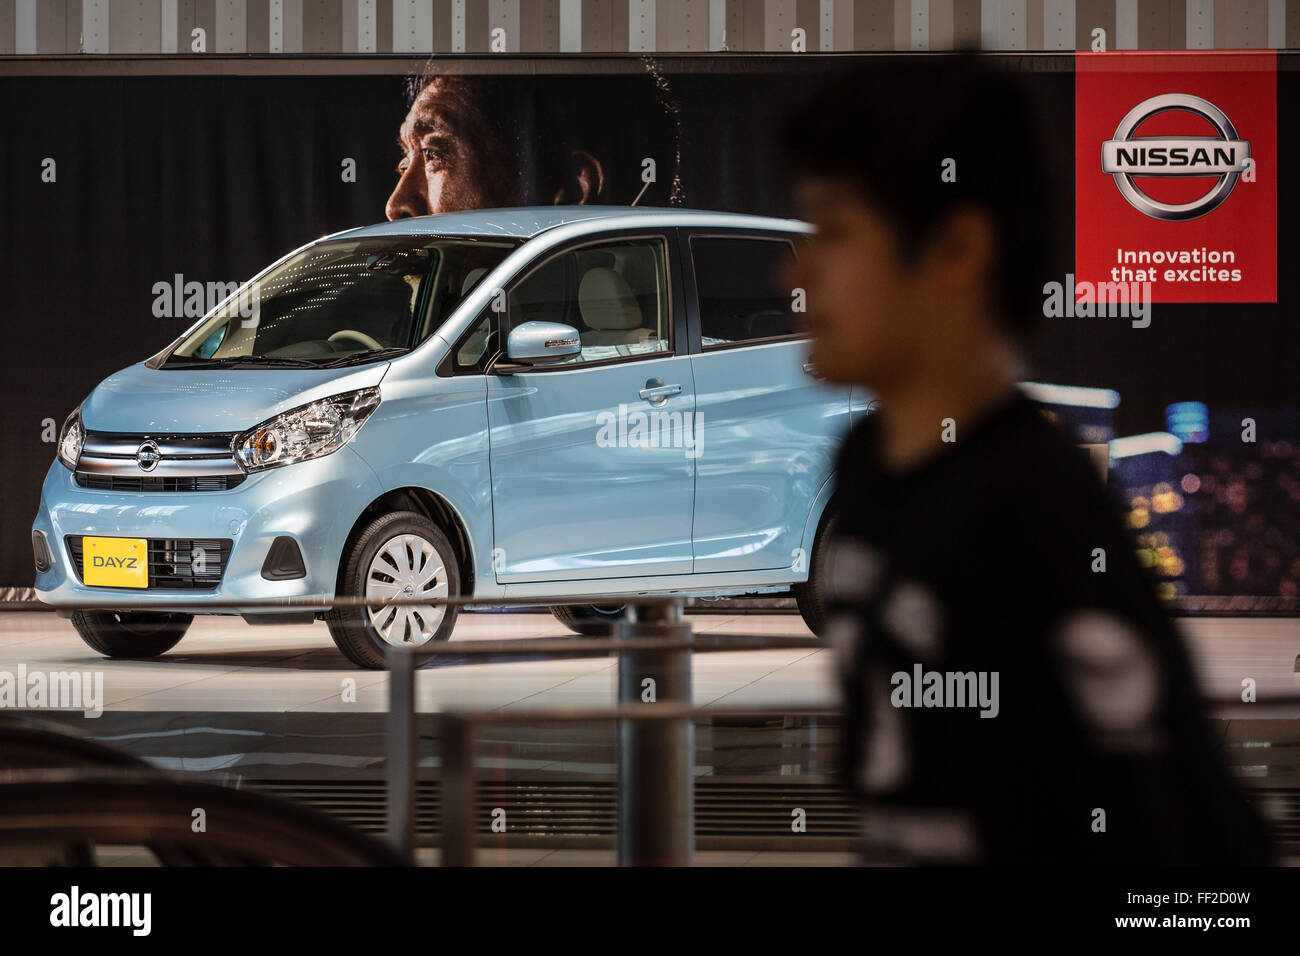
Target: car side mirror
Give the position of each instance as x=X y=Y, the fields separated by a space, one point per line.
x=536 y=343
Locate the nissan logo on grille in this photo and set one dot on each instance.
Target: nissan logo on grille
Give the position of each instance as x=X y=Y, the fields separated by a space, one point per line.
x=1224 y=156
x=148 y=456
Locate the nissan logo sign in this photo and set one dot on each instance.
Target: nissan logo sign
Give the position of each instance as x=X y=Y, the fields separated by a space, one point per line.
x=148 y=456
x=1224 y=156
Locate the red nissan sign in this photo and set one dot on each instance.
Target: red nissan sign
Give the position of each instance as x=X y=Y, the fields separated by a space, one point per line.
x=1175 y=177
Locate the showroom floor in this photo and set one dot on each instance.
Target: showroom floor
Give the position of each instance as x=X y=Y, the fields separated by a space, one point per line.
x=223 y=664
x=267 y=706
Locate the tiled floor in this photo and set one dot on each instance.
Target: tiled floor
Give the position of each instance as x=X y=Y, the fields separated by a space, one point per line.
x=226 y=665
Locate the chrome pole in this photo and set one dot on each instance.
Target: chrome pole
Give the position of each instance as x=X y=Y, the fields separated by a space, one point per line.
x=458 y=783
x=656 y=809
x=401 y=750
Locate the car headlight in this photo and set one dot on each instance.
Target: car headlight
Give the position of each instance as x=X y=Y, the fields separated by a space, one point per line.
x=71 y=438
x=311 y=431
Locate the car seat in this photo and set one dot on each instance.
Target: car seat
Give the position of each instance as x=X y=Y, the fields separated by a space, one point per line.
x=609 y=308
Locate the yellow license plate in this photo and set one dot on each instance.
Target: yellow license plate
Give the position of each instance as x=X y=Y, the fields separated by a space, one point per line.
x=115 y=562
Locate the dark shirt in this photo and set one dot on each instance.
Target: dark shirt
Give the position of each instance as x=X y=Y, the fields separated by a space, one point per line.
x=984 y=564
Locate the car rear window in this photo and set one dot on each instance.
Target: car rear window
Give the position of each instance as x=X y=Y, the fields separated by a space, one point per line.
x=741 y=292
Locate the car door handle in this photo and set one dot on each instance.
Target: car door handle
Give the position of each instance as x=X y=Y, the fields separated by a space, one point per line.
x=657 y=394
x=810 y=368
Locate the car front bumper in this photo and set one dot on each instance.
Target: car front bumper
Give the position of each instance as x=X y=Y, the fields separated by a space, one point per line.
x=313 y=502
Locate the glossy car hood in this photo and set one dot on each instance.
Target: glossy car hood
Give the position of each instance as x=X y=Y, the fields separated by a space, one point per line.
x=181 y=401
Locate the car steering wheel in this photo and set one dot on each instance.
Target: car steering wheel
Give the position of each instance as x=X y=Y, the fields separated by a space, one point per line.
x=356 y=336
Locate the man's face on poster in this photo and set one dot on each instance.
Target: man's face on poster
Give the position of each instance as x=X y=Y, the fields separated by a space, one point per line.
x=450 y=161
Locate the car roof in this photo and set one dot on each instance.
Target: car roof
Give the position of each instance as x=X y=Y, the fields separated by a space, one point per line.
x=524 y=222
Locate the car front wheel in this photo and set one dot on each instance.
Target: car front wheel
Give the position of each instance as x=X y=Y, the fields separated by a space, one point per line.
x=131 y=633
x=399 y=556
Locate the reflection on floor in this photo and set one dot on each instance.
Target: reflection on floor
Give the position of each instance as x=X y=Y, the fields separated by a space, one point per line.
x=225 y=665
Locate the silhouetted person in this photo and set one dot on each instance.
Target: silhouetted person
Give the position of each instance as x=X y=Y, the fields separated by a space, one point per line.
x=1014 y=693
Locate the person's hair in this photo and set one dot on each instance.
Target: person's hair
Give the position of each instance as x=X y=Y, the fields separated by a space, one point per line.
x=889 y=130
x=476 y=119
x=535 y=126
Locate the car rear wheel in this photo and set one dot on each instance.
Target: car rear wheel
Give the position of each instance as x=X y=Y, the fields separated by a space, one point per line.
x=589 y=619
x=131 y=633
x=402 y=555
x=810 y=595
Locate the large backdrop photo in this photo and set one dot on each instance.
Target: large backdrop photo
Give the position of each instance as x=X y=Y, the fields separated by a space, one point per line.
x=132 y=204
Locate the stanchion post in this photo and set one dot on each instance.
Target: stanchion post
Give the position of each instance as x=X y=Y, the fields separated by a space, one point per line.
x=656 y=800
x=401 y=750
x=458 y=783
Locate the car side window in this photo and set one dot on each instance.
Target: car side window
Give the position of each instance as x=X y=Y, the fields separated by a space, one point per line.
x=614 y=293
x=742 y=297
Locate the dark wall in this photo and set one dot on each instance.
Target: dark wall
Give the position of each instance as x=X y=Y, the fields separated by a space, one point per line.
x=214 y=177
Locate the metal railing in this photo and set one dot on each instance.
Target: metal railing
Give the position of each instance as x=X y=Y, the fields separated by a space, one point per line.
x=656 y=746
x=655 y=749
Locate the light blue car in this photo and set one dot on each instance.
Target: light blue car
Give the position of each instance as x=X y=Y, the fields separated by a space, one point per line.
x=543 y=403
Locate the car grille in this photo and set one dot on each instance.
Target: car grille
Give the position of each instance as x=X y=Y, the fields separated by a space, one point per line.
x=181 y=485
x=177 y=457
x=173 y=564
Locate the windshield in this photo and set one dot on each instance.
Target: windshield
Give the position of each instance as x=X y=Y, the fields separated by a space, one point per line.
x=342 y=301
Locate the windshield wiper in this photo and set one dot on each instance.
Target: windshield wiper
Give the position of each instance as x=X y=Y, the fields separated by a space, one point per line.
x=368 y=355
x=247 y=361
x=273 y=361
